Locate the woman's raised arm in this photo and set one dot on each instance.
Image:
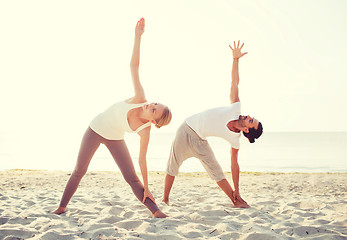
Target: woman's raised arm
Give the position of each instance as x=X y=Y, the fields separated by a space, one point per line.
x=135 y=63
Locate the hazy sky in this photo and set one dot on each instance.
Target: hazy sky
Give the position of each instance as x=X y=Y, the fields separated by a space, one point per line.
x=63 y=62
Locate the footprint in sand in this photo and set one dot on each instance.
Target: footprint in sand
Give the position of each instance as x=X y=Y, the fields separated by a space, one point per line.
x=110 y=220
x=192 y=234
x=115 y=210
x=16 y=234
x=243 y=217
x=127 y=215
x=129 y=224
x=264 y=236
x=305 y=231
x=308 y=204
x=103 y=233
x=3 y=220
x=321 y=222
x=195 y=216
x=213 y=213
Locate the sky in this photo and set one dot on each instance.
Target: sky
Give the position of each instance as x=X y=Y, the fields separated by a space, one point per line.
x=63 y=62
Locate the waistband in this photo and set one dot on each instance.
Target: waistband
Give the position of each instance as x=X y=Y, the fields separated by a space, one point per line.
x=190 y=131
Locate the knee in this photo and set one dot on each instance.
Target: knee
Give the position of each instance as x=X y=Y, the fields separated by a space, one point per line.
x=131 y=180
x=79 y=173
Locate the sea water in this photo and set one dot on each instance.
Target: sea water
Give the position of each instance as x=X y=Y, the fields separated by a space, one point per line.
x=273 y=152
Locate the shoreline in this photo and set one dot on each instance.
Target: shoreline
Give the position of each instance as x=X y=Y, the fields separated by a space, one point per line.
x=283 y=206
x=164 y=172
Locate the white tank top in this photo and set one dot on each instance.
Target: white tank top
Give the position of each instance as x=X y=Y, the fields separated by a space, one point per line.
x=113 y=123
x=213 y=122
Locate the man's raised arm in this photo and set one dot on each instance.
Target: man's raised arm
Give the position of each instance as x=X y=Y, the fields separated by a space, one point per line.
x=234 y=91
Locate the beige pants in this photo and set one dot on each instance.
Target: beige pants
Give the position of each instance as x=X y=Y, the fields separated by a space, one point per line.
x=188 y=144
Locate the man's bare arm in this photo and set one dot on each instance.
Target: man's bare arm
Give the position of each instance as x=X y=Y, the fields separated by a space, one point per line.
x=235 y=169
x=234 y=91
x=235 y=172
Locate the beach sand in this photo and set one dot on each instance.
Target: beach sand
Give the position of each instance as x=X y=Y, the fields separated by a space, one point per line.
x=283 y=206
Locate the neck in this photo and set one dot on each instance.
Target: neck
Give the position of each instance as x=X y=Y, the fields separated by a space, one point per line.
x=140 y=115
x=235 y=126
x=240 y=124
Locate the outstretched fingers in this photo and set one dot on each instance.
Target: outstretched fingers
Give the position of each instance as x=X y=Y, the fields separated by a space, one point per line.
x=238 y=45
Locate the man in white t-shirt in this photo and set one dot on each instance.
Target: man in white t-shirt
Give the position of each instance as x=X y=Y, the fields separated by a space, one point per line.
x=224 y=122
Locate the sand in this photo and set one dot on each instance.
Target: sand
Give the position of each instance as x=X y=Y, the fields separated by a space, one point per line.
x=283 y=206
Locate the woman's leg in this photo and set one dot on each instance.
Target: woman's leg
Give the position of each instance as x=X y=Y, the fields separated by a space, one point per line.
x=121 y=155
x=89 y=145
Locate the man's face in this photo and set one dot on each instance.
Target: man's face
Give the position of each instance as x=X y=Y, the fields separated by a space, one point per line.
x=249 y=122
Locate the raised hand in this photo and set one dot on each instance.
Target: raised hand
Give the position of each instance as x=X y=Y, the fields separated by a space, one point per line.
x=140 y=27
x=237 y=50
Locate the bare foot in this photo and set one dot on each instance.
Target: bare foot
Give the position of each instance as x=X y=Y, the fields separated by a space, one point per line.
x=241 y=205
x=60 y=210
x=159 y=214
x=166 y=201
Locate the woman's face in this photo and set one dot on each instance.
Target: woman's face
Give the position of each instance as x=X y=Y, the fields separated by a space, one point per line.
x=153 y=111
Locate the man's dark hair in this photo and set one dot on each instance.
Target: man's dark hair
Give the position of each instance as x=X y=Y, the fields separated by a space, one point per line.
x=254 y=133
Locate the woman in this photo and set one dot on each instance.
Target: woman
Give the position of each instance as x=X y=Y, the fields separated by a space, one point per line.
x=131 y=115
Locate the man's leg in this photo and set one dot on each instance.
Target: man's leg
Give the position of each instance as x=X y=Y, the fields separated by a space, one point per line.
x=169 y=180
x=180 y=151
x=214 y=170
x=225 y=186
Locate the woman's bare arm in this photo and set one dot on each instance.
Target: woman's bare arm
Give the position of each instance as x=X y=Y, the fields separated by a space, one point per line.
x=135 y=63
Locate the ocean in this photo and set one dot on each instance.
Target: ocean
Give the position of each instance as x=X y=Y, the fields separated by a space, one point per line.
x=274 y=152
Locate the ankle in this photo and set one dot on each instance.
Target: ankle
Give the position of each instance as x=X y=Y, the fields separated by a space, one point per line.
x=60 y=210
x=159 y=214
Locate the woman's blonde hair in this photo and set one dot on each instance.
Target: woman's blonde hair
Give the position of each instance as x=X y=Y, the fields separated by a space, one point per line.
x=164 y=119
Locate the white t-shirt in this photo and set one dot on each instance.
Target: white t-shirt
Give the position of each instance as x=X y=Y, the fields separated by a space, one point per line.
x=213 y=122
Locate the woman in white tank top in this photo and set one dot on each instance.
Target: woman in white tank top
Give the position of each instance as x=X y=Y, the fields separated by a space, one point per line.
x=109 y=127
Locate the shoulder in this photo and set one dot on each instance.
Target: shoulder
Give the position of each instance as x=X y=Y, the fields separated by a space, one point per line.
x=236 y=104
x=234 y=150
x=145 y=134
x=136 y=100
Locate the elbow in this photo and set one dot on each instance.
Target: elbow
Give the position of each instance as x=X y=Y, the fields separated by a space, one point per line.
x=234 y=153
x=235 y=166
x=234 y=163
x=142 y=161
x=233 y=98
x=134 y=66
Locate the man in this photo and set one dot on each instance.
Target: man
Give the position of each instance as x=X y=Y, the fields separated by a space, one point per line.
x=224 y=122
